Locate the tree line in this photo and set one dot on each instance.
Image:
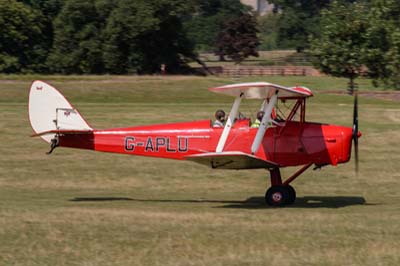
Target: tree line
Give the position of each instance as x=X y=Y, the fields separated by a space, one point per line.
x=346 y=37
x=110 y=36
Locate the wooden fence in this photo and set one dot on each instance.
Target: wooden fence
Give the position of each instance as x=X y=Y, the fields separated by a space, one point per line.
x=270 y=71
x=244 y=71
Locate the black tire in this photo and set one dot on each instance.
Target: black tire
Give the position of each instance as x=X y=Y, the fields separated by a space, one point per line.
x=277 y=196
x=292 y=195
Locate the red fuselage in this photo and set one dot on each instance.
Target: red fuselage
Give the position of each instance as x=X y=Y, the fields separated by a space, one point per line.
x=288 y=144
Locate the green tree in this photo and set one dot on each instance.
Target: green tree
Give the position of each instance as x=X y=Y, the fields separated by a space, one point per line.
x=167 y=43
x=382 y=51
x=48 y=8
x=207 y=20
x=104 y=36
x=127 y=20
x=142 y=35
x=299 y=19
x=21 y=38
x=339 y=49
x=268 y=26
x=239 y=38
x=77 y=39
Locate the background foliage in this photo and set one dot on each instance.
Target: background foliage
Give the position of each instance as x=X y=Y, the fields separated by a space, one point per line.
x=121 y=36
x=238 y=40
x=360 y=38
x=339 y=48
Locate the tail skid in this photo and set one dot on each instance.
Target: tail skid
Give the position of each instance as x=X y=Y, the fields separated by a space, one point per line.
x=50 y=112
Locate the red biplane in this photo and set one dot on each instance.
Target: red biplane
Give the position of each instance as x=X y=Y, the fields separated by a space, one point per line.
x=277 y=142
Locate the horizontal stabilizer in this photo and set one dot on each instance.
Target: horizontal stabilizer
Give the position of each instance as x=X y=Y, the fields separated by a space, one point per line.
x=62 y=132
x=231 y=160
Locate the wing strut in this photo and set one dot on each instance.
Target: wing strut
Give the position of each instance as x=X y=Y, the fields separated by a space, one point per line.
x=229 y=123
x=267 y=108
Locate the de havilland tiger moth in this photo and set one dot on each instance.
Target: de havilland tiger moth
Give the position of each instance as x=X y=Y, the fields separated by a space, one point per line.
x=277 y=142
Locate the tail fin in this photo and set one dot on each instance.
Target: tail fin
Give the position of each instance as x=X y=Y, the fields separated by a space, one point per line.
x=49 y=111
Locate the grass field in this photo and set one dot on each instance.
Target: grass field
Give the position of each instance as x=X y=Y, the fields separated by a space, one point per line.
x=78 y=207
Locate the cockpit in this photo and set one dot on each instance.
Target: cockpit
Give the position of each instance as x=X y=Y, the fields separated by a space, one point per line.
x=284 y=110
x=271 y=95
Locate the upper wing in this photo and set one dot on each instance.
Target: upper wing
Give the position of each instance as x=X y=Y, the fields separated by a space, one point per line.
x=231 y=160
x=262 y=90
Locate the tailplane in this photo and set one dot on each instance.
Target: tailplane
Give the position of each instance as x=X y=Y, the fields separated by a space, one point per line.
x=50 y=111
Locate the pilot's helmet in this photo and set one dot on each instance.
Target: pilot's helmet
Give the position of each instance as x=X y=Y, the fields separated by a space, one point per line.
x=220 y=115
x=260 y=115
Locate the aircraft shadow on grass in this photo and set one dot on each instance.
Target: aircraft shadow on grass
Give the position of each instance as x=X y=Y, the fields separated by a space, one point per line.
x=304 y=202
x=252 y=202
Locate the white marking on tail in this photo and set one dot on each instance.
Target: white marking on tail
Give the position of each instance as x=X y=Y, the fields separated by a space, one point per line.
x=50 y=110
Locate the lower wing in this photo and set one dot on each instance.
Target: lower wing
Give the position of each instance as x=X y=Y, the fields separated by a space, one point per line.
x=231 y=160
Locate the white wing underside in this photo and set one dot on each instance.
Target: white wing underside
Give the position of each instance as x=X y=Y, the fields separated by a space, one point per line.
x=262 y=90
x=231 y=160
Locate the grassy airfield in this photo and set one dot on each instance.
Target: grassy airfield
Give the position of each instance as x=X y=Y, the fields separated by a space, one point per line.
x=78 y=207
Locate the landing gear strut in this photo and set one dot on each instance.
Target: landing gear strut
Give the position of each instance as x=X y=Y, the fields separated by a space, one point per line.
x=281 y=193
x=54 y=144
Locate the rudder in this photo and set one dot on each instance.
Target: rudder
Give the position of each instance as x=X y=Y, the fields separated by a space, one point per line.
x=50 y=110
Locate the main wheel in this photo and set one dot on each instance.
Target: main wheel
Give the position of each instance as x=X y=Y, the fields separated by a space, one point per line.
x=292 y=195
x=277 y=196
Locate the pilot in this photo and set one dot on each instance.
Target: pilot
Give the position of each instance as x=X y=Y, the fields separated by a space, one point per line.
x=260 y=116
x=219 y=118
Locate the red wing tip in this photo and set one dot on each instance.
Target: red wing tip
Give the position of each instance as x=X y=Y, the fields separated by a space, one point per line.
x=303 y=90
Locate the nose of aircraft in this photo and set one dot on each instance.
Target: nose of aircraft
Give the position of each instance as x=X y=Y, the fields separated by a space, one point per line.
x=348 y=138
x=347 y=134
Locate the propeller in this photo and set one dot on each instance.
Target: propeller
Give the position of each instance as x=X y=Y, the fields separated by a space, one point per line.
x=355 y=127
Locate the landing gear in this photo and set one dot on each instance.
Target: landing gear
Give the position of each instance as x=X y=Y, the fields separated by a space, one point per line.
x=54 y=144
x=281 y=193
x=292 y=195
x=277 y=196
